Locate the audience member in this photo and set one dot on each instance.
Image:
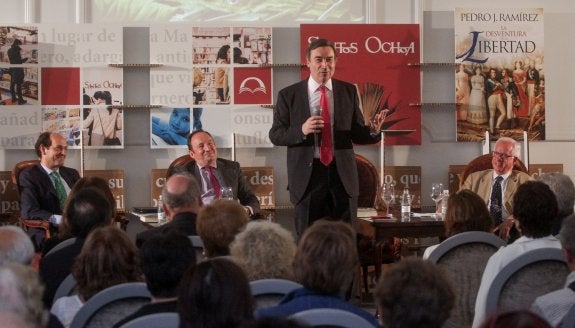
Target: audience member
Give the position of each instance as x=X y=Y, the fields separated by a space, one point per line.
x=264 y=250
x=181 y=202
x=212 y=172
x=325 y=263
x=45 y=186
x=555 y=305
x=164 y=259
x=15 y=246
x=466 y=211
x=564 y=190
x=21 y=295
x=279 y=322
x=218 y=224
x=108 y=258
x=88 y=209
x=215 y=293
x=498 y=185
x=64 y=228
x=414 y=293
x=534 y=207
x=515 y=319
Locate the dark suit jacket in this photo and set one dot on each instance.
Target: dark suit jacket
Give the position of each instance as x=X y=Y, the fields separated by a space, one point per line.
x=38 y=198
x=55 y=267
x=232 y=176
x=292 y=110
x=183 y=223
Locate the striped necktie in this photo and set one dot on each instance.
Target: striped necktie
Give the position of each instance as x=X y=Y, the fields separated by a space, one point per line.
x=60 y=190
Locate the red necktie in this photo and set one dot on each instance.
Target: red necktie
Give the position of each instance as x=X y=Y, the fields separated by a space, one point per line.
x=326 y=149
x=214 y=181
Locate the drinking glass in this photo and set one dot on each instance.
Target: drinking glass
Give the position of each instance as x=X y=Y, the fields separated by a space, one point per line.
x=387 y=195
x=226 y=193
x=436 y=194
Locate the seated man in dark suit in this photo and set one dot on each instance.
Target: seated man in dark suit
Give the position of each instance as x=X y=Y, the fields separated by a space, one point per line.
x=213 y=173
x=164 y=259
x=181 y=195
x=44 y=187
x=87 y=209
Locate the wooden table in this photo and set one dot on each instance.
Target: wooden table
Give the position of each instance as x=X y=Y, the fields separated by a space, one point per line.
x=386 y=229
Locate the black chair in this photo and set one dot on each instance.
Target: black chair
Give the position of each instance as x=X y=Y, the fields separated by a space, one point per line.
x=462 y=258
x=111 y=305
x=67 y=288
x=61 y=245
x=269 y=292
x=164 y=320
x=569 y=319
x=331 y=317
x=530 y=275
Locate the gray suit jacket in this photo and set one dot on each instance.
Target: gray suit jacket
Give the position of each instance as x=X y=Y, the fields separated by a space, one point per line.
x=232 y=176
x=480 y=183
x=292 y=110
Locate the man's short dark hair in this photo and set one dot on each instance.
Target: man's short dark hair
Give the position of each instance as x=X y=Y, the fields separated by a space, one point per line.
x=87 y=210
x=318 y=43
x=535 y=207
x=164 y=259
x=193 y=134
x=43 y=140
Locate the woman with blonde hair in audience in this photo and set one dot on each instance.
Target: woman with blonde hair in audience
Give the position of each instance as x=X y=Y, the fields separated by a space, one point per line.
x=466 y=211
x=264 y=250
x=108 y=258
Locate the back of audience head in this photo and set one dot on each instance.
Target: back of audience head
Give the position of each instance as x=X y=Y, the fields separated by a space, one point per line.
x=108 y=258
x=414 y=293
x=215 y=293
x=562 y=186
x=218 y=224
x=326 y=257
x=567 y=237
x=164 y=259
x=466 y=211
x=86 y=210
x=265 y=250
x=181 y=193
x=15 y=246
x=534 y=207
x=21 y=295
x=515 y=319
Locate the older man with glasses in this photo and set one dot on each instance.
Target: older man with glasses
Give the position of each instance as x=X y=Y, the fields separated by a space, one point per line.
x=498 y=185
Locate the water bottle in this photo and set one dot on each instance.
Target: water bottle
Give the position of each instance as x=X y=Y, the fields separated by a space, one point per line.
x=405 y=205
x=161 y=213
x=444 y=200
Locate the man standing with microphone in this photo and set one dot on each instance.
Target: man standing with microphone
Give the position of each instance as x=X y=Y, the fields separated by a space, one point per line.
x=319 y=120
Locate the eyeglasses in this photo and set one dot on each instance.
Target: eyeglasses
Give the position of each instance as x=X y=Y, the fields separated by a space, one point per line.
x=502 y=155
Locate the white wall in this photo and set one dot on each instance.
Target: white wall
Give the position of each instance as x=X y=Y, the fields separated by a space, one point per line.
x=438 y=148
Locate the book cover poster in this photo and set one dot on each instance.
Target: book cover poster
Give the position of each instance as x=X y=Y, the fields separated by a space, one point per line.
x=170 y=127
x=375 y=58
x=253 y=86
x=60 y=85
x=102 y=86
x=103 y=126
x=63 y=120
x=499 y=73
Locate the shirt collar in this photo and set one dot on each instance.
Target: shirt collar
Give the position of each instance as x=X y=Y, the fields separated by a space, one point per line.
x=313 y=86
x=504 y=176
x=49 y=171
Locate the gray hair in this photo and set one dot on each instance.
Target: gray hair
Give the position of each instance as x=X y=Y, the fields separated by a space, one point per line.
x=188 y=198
x=15 y=246
x=564 y=190
x=567 y=234
x=21 y=294
x=508 y=140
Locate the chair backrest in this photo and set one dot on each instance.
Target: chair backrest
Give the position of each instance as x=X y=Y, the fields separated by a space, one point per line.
x=569 y=319
x=180 y=161
x=483 y=162
x=61 y=245
x=67 y=288
x=198 y=245
x=269 y=292
x=164 y=320
x=331 y=317
x=462 y=258
x=530 y=275
x=111 y=305
x=18 y=168
x=368 y=182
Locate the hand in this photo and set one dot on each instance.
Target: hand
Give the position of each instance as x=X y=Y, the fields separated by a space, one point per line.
x=505 y=227
x=377 y=122
x=314 y=124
